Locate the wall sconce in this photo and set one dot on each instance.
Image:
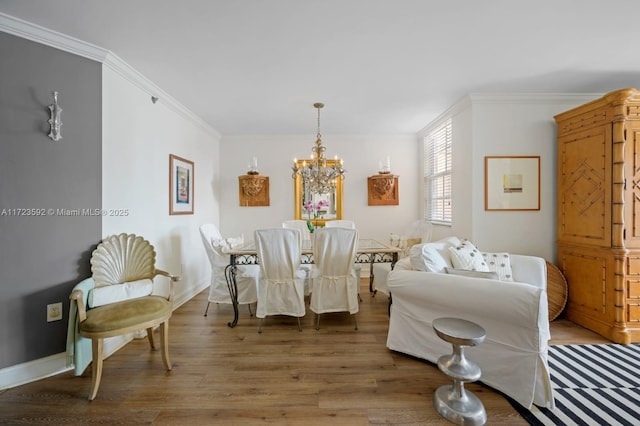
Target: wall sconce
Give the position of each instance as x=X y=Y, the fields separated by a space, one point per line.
x=253 y=167
x=253 y=190
x=383 y=187
x=55 y=121
x=385 y=168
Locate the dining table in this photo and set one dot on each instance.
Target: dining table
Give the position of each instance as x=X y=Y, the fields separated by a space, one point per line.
x=369 y=251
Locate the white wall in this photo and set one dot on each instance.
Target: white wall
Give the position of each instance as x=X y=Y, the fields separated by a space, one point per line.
x=138 y=137
x=361 y=155
x=512 y=125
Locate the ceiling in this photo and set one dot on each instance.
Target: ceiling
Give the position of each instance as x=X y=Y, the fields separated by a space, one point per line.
x=380 y=66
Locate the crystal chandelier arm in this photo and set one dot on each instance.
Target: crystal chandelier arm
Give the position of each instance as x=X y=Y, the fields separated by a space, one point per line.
x=319 y=176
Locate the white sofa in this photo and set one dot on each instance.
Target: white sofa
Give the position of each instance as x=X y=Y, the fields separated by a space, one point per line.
x=513 y=356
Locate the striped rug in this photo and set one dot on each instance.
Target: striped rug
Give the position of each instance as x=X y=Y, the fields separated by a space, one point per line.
x=593 y=385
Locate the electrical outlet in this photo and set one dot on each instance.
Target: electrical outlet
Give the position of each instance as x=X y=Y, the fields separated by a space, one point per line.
x=54 y=312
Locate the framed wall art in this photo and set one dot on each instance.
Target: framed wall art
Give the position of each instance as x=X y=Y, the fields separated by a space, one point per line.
x=512 y=183
x=181 y=179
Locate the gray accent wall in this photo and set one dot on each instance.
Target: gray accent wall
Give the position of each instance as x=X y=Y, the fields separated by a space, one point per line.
x=45 y=251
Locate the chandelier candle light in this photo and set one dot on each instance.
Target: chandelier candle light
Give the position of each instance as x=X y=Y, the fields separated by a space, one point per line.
x=316 y=175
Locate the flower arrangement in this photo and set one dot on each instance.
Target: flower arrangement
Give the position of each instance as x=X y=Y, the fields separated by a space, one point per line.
x=311 y=208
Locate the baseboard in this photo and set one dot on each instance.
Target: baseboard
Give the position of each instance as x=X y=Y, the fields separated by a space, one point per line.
x=52 y=365
x=31 y=371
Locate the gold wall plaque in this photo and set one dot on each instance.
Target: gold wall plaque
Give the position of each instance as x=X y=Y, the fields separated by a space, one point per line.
x=253 y=190
x=383 y=190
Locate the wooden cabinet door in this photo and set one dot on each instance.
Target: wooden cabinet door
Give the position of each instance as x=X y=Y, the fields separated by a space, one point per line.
x=584 y=187
x=632 y=185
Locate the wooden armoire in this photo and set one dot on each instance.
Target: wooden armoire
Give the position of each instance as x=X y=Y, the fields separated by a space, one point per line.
x=599 y=214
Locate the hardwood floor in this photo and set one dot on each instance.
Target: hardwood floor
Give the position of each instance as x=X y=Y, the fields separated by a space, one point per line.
x=236 y=376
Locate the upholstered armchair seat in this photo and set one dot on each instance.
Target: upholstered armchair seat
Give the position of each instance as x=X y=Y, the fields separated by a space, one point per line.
x=135 y=314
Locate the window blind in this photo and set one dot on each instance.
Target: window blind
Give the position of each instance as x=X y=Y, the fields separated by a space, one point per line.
x=437 y=173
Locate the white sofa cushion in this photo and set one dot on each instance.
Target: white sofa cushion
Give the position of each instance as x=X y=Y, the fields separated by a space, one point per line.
x=499 y=263
x=466 y=256
x=492 y=275
x=433 y=257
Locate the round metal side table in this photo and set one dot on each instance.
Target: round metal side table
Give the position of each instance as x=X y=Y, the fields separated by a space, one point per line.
x=452 y=401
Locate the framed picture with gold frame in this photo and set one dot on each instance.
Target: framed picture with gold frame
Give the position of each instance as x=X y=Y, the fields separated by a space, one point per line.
x=511 y=183
x=181 y=180
x=302 y=194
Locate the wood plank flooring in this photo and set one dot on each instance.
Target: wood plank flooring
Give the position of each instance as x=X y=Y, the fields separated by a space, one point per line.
x=226 y=376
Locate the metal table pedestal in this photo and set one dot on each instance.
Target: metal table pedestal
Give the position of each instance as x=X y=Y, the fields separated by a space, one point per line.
x=452 y=401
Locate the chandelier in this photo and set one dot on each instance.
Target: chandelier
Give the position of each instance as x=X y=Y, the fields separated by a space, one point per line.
x=318 y=175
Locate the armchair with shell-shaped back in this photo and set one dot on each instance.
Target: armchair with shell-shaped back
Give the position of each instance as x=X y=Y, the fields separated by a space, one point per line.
x=119 y=299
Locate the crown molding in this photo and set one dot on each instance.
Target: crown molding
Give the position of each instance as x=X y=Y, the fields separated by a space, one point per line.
x=531 y=98
x=450 y=112
x=122 y=68
x=508 y=98
x=27 y=30
x=30 y=31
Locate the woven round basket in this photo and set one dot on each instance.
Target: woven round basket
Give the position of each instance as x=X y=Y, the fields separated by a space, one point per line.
x=557 y=291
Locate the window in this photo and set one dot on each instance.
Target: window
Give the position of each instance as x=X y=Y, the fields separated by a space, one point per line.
x=437 y=174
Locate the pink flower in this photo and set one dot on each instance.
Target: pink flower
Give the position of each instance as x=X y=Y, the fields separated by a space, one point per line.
x=313 y=209
x=322 y=204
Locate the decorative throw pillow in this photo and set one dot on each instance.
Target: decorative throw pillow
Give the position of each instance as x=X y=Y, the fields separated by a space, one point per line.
x=475 y=274
x=467 y=256
x=432 y=257
x=223 y=246
x=220 y=245
x=500 y=263
x=104 y=295
x=235 y=241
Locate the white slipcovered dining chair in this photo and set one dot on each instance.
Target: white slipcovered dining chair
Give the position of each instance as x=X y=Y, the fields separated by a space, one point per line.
x=334 y=283
x=305 y=234
x=418 y=231
x=344 y=223
x=281 y=281
x=246 y=275
x=340 y=223
x=300 y=225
